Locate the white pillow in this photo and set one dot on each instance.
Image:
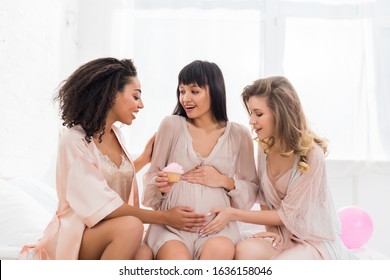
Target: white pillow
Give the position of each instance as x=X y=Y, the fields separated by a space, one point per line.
x=45 y=195
x=22 y=219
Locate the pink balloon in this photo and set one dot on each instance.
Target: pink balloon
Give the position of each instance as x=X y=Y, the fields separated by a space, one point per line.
x=356 y=226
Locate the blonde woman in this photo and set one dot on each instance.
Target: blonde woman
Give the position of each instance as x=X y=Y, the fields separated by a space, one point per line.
x=296 y=204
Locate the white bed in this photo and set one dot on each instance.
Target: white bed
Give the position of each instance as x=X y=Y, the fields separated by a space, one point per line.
x=27 y=205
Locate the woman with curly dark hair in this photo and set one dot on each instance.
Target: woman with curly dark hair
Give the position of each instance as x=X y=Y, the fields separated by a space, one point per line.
x=98 y=214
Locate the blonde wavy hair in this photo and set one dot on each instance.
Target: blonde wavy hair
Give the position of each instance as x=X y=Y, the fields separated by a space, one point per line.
x=292 y=133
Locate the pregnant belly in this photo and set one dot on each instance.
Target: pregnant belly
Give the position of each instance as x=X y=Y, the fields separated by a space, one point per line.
x=202 y=198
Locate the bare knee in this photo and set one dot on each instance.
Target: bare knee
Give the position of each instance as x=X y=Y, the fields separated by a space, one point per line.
x=116 y=238
x=243 y=250
x=144 y=253
x=218 y=248
x=130 y=225
x=126 y=236
x=173 y=250
x=254 y=249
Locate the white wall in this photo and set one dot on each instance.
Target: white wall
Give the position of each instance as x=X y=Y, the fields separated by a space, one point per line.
x=38 y=47
x=30 y=59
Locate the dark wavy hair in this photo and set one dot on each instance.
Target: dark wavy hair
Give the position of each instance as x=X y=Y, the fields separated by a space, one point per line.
x=204 y=73
x=88 y=94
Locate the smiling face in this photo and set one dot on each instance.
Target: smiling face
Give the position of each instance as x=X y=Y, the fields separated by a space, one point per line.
x=195 y=100
x=261 y=118
x=127 y=103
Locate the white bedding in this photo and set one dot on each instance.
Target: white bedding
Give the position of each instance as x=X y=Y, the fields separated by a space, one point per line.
x=9 y=252
x=27 y=205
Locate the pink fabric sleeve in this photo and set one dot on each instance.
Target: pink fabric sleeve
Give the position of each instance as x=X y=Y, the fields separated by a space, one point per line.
x=307 y=209
x=162 y=146
x=245 y=179
x=87 y=191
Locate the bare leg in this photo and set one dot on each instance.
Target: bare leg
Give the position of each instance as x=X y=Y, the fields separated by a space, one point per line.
x=117 y=238
x=254 y=249
x=218 y=248
x=300 y=252
x=173 y=250
x=144 y=253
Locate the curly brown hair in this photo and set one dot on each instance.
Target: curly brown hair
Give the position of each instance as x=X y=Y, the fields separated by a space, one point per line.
x=88 y=94
x=292 y=132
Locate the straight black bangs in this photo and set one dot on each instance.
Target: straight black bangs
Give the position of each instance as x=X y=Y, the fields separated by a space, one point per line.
x=193 y=73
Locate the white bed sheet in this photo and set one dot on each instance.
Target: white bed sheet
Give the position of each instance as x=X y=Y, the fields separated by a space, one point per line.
x=26 y=208
x=9 y=252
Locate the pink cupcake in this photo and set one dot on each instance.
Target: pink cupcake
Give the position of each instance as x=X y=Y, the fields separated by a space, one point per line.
x=174 y=171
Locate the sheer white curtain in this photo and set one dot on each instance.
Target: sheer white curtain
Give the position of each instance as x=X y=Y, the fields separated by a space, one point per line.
x=329 y=57
x=168 y=38
x=331 y=51
x=334 y=51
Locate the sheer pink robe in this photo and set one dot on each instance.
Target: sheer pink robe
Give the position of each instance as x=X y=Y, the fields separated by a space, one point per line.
x=233 y=156
x=84 y=198
x=305 y=206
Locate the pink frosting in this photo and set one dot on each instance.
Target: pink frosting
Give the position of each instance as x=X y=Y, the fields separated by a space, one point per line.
x=174 y=168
